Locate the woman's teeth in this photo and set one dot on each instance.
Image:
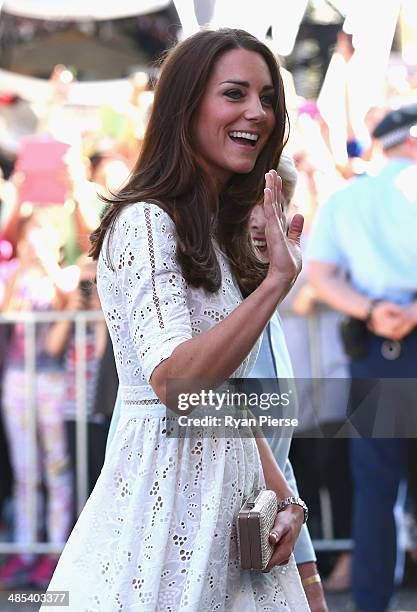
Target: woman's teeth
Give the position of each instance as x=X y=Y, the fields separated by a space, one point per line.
x=260 y=243
x=244 y=138
x=246 y=135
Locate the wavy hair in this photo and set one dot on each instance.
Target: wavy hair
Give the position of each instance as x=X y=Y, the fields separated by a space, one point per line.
x=168 y=174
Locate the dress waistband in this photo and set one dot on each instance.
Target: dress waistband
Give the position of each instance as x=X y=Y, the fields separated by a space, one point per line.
x=143 y=412
x=142 y=395
x=141 y=401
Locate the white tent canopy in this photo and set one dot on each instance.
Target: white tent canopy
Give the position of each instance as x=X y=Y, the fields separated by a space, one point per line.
x=255 y=17
x=82 y=9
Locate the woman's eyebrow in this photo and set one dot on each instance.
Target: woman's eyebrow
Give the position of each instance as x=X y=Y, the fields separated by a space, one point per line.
x=247 y=84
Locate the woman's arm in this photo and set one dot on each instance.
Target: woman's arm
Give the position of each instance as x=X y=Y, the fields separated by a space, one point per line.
x=217 y=353
x=288 y=522
x=274 y=478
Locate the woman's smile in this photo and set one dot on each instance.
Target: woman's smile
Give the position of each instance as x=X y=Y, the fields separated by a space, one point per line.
x=236 y=115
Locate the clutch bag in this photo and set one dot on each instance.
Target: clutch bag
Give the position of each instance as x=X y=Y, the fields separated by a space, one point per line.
x=254 y=523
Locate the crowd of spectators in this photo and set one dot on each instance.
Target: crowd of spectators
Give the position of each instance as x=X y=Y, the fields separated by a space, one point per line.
x=44 y=267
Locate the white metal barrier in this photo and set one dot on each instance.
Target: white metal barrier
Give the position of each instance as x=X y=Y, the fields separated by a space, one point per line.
x=30 y=320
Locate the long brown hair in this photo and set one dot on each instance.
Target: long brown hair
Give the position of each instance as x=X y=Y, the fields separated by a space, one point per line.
x=167 y=172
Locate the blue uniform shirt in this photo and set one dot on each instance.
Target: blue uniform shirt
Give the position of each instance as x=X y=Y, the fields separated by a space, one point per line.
x=369 y=229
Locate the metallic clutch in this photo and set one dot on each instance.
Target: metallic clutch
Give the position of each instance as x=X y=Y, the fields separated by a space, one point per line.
x=254 y=523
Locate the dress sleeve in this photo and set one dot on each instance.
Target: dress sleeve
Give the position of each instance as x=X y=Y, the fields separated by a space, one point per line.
x=154 y=291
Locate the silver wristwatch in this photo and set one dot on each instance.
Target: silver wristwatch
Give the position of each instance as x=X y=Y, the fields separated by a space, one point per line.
x=288 y=501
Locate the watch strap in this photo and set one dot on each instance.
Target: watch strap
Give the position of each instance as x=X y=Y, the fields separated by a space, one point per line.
x=371 y=309
x=297 y=501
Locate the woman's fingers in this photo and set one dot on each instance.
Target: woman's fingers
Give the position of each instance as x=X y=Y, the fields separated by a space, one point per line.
x=282 y=552
x=295 y=228
x=277 y=198
x=273 y=183
x=268 y=208
x=273 y=176
x=277 y=191
x=273 y=231
x=283 y=243
x=269 y=184
x=275 y=536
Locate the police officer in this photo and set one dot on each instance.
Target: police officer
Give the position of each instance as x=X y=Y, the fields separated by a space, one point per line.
x=362 y=260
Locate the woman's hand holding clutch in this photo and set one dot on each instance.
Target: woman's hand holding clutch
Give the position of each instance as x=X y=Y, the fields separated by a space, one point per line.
x=284 y=534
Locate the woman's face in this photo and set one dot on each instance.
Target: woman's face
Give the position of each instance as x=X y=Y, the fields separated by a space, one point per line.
x=257 y=226
x=236 y=115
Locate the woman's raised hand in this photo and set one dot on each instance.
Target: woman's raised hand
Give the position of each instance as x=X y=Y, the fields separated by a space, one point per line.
x=283 y=239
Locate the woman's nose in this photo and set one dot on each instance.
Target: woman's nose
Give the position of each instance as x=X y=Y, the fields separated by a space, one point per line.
x=254 y=109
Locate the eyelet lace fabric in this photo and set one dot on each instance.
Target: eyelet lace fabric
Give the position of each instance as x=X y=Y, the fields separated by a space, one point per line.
x=158 y=533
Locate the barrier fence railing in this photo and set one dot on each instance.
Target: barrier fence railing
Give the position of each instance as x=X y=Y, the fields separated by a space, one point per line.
x=80 y=320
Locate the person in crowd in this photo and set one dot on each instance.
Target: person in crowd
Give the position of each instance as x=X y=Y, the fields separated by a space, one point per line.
x=274 y=362
x=367 y=231
x=320 y=367
x=88 y=179
x=185 y=296
x=124 y=124
x=75 y=218
x=33 y=284
x=63 y=341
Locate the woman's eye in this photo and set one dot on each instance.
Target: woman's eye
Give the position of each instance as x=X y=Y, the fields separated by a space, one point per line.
x=268 y=100
x=234 y=93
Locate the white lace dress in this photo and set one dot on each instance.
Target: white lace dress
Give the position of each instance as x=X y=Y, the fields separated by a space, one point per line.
x=158 y=531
